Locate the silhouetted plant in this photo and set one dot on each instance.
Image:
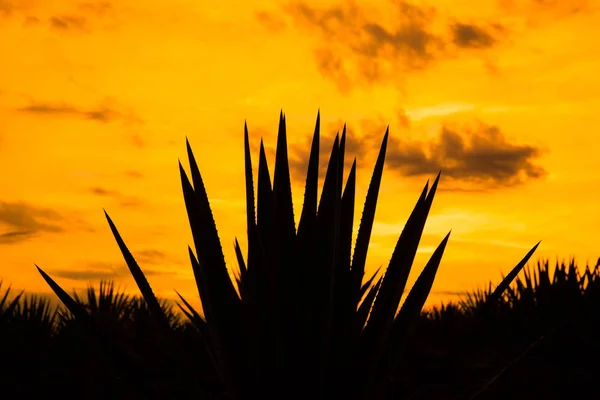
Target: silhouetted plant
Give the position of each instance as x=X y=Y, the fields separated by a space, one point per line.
x=304 y=324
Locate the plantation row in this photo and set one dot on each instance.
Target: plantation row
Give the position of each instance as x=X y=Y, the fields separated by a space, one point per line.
x=454 y=350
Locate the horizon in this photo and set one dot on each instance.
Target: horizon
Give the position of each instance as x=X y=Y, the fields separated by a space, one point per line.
x=97 y=98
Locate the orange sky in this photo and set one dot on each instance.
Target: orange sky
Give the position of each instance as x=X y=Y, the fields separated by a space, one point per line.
x=97 y=97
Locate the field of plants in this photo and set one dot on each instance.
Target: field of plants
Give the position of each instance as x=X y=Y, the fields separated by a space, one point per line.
x=301 y=320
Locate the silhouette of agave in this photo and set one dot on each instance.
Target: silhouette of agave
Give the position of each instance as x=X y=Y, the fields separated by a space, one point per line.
x=298 y=328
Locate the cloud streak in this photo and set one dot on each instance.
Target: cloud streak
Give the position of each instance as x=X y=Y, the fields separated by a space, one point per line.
x=103 y=113
x=23 y=221
x=68 y=23
x=101 y=270
x=123 y=200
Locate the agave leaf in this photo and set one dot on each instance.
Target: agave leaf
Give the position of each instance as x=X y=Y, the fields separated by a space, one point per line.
x=202 y=328
x=264 y=217
x=204 y=230
x=497 y=293
x=410 y=311
x=327 y=237
x=367 y=304
x=74 y=307
x=250 y=208
x=282 y=242
x=361 y=246
x=343 y=309
x=251 y=278
x=309 y=208
x=379 y=324
x=341 y=160
x=368 y=283
x=140 y=278
x=242 y=279
x=282 y=191
x=346 y=225
x=219 y=293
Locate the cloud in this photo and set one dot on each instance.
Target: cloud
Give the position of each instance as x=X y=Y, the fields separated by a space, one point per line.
x=457 y=293
x=483 y=157
x=100 y=270
x=134 y=174
x=473 y=36
x=545 y=10
x=357 y=48
x=6 y=7
x=98 y=8
x=105 y=113
x=69 y=23
x=155 y=257
x=123 y=200
x=101 y=113
x=475 y=159
x=25 y=221
x=73 y=17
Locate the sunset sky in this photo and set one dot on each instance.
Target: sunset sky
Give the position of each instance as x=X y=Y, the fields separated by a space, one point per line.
x=97 y=98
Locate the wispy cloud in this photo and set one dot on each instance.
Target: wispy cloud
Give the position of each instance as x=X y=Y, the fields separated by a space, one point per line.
x=123 y=200
x=69 y=23
x=101 y=113
x=100 y=270
x=104 y=113
x=23 y=221
x=73 y=17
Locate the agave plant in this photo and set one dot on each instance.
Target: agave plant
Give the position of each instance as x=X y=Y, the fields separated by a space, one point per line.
x=305 y=324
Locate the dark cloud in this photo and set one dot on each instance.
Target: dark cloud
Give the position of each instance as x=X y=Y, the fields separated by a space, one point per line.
x=356 y=48
x=475 y=160
x=25 y=221
x=15 y=236
x=123 y=200
x=69 y=23
x=7 y=7
x=102 y=113
x=103 y=192
x=354 y=45
x=472 y=36
x=483 y=157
